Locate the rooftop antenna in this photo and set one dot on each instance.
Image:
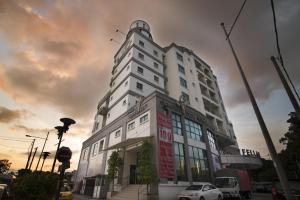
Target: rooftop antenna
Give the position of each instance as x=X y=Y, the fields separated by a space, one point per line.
x=119 y=31
x=113 y=40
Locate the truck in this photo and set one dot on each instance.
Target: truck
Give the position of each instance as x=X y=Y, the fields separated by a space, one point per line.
x=233 y=183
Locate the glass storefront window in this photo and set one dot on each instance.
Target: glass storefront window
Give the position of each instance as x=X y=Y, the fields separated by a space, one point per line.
x=179 y=159
x=193 y=130
x=198 y=162
x=176 y=124
x=211 y=140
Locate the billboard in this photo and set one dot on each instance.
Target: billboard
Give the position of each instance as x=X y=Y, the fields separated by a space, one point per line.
x=166 y=152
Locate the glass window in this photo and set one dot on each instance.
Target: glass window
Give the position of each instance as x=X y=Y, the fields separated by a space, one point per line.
x=117 y=133
x=101 y=145
x=84 y=154
x=126 y=83
x=95 y=147
x=186 y=97
x=179 y=56
x=144 y=119
x=139 y=86
x=193 y=130
x=141 y=43
x=183 y=82
x=131 y=126
x=155 y=53
x=140 y=70
x=156 y=79
x=181 y=69
x=155 y=65
x=176 y=124
x=198 y=164
x=179 y=159
x=141 y=56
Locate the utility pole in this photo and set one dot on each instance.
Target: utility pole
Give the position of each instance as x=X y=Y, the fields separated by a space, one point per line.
x=279 y=169
x=42 y=151
x=286 y=87
x=29 y=156
x=33 y=157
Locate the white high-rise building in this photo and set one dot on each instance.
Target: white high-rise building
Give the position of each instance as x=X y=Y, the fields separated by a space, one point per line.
x=141 y=67
x=165 y=95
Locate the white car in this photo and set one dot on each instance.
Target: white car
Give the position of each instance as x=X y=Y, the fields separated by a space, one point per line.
x=201 y=191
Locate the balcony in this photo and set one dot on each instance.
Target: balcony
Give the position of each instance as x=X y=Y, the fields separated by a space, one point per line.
x=201 y=78
x=211 y=108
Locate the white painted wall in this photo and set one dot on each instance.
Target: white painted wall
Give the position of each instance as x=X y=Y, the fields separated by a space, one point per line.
x=140 y=130
x=113 y=139
x=95 y=160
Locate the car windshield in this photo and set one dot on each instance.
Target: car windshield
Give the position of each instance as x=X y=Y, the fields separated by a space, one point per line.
x=194 y=187
x=224 y=182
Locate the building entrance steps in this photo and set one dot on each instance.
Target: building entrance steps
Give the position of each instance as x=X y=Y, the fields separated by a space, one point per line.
x=132 y=192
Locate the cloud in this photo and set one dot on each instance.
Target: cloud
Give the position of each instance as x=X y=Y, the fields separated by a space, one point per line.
x=8 y=115
x=23 y=128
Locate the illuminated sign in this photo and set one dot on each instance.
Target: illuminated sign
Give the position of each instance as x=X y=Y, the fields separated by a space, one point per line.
x=248 y=152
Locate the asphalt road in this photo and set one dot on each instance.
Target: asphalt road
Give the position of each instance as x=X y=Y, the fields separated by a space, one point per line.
x=262 y=196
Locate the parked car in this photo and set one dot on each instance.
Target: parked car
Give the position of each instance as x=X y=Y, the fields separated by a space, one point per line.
x=201 y=191
x=65 y=193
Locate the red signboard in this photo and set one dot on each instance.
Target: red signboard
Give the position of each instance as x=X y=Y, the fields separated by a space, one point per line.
x=166 y=153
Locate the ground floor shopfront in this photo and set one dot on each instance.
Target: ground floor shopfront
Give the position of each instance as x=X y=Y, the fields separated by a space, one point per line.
x=185 y=148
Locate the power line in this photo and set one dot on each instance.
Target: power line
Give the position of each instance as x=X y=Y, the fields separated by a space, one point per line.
x=238 y=15
x=279 y=52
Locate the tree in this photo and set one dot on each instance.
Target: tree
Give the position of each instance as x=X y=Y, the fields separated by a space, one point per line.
x=145 y=167
x=35 y=186
x=290 y=156
x=4 y=166
x=114 y=165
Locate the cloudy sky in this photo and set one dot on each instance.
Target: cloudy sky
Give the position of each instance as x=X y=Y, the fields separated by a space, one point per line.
x=56 y=59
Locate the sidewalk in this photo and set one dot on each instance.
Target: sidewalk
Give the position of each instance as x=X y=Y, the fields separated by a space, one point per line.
x=82 y=197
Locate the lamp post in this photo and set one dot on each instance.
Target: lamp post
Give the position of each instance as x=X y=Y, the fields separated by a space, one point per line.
x=61 y=130
x=33 y=157
x=279 y=169
x=42 y=148
x=29 y=156
x=45 y=155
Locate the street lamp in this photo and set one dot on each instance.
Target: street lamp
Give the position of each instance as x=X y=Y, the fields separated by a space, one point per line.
x=45 y=155
x=42 y=148
x=61 y=130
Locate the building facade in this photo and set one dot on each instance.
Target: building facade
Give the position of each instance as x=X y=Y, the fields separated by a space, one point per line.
x=168 y=96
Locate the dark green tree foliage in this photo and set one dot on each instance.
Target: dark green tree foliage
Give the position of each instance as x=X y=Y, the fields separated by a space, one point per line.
x=146 y=168
x=266 y=173
x=114 y=165
x=290 y=156
x=35 y=186
x=4 y=166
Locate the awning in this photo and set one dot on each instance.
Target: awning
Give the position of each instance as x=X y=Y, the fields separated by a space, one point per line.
x=127 y=142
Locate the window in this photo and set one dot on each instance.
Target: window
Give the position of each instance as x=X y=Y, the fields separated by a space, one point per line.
x=101 y=145
x=185 y=97
x=193 y=84
x=179 y=56
x=211 y=140
x=155 y=65
x=95 y=147
x=113 y=83
x=141 y=43
x=117 y=133
x=144 y=119
x=126 y=83
x=179 y=160
x=127 y=68
x=140 y=70
x=155 y=78
x=193 y=130
x=131 y=126
x=198 y=163
x=84 y=154
x=183 y=82
x=176 y=124
x=155 y=53
x=181 y=69
x=124 y=102
x=196 y=99
x=111 y=98
x=141 y=56
x=139 y=86
x=191 y=71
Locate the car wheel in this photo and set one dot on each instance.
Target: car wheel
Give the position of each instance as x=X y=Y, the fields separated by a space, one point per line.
x=219 y=197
